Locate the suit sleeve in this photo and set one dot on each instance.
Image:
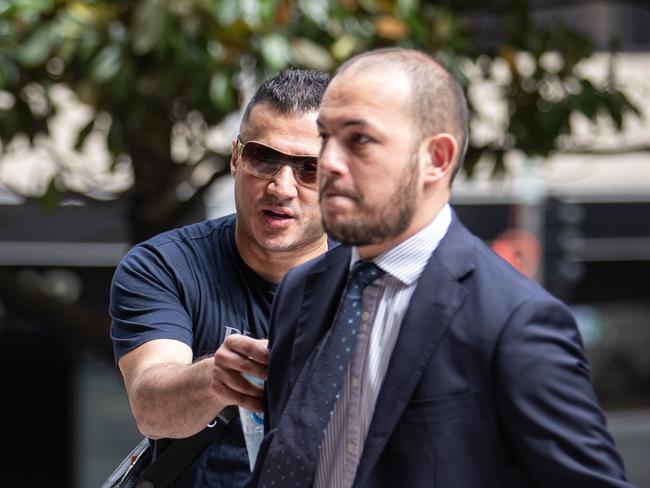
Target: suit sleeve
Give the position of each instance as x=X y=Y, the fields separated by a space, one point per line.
x=549 y=412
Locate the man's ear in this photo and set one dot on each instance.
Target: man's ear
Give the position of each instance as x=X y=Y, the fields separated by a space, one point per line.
x=233 y=158
x=439 y=153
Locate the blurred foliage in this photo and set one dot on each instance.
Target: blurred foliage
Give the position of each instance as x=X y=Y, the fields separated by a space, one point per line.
x=164 y=69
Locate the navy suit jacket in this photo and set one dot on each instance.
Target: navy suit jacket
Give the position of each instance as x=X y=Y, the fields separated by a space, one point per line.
x=488 y=385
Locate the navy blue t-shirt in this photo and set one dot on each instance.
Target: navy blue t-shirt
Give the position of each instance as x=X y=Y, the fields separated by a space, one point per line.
x=191 y=285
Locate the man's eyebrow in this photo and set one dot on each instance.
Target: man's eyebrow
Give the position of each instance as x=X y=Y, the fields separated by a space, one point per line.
x=347 y=123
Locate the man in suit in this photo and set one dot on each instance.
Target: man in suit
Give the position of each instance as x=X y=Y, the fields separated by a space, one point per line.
x=462 y=372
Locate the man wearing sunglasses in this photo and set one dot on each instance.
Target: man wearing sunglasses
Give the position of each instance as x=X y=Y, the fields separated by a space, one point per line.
x=181 y=296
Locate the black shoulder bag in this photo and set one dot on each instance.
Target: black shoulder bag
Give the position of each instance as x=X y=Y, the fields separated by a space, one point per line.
x=137 y=470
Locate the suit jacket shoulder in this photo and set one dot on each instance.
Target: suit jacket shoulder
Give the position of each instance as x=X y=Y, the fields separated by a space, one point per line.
x=302 y=311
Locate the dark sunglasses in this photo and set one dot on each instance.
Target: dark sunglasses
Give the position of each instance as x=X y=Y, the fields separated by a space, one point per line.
x=265 y=162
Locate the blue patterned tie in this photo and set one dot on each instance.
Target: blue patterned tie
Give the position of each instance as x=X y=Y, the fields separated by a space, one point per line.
x=292 y=455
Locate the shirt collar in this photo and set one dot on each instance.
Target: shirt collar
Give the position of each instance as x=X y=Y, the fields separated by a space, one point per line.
x=407 y=260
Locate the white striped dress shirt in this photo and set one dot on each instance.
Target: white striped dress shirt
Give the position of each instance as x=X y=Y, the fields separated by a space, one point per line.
x=384 y=305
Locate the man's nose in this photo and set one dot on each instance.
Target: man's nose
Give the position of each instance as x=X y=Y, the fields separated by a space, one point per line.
x=331 y=160
x=283 y=184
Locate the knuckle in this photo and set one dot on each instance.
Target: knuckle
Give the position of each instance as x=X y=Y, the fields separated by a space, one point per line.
x=242 y=364
x=219 y=353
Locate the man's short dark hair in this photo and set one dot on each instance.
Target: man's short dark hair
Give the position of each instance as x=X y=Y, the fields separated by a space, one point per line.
x=292 y=91
x=437 y=98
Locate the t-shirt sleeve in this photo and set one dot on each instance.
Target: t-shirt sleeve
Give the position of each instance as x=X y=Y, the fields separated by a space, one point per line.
x=146 y=303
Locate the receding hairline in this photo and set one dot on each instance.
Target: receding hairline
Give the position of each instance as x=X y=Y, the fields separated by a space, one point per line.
x=437 y=99
x=398 y=54
x=407 y=59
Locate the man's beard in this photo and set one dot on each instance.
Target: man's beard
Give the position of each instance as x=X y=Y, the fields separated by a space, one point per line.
x=374 y=226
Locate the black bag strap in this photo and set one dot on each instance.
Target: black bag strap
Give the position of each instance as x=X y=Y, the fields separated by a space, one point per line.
x=182 y=452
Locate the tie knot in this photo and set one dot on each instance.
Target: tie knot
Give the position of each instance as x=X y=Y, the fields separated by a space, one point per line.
x=363 y=273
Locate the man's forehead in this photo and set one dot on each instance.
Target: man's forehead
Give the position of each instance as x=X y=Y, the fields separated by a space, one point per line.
x=358 y=98
x=291 y=132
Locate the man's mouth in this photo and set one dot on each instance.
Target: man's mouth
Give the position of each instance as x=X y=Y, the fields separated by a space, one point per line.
x=278 y=213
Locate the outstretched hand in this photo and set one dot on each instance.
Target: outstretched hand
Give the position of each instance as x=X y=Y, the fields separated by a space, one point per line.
x=240 y=355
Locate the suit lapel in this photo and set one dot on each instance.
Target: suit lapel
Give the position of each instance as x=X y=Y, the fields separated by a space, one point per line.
x=323 y=289
x=436 y=299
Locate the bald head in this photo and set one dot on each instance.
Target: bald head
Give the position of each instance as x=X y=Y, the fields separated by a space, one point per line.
x=437 y=100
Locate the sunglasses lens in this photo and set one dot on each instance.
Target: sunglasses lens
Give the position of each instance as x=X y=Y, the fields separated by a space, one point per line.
x=261 y=160
x=306 y=171
x=265 y=162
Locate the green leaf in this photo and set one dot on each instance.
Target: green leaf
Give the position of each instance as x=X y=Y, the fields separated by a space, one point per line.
x=115 y=139
x=220 y=91
x=67 y=50
x=52 y=195
x=316 y=10
x=10 y=70
x=616 y=103
x=5 y=7
x=587 y=101
x=309 y=54
x=627 y=105
x=343 y=47
x=148 y=25
x=81 y=14
x=227 y=12
x=106 y=64
x=37 y=48
x=28 y=9
x=276 y=51
x=614 y=107
x=404 y=8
